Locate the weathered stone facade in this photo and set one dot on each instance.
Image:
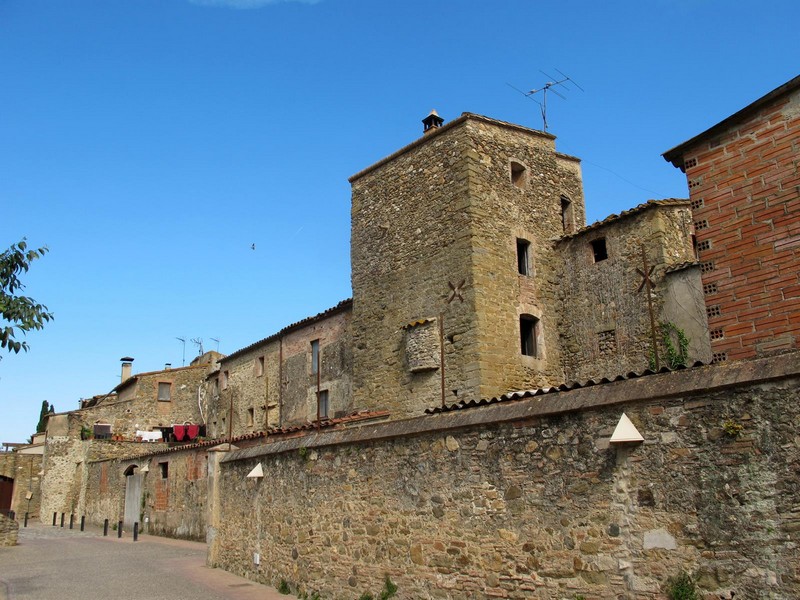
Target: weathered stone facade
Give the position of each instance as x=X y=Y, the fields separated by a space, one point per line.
x=9 y=530
x=23 y=473
x=527 y=498
x=274 y=382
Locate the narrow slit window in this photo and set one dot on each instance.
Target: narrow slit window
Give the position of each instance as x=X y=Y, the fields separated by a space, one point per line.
x=322 y=404
x=599 y=250
x=523 y=257
x=567 y=218
x=528 y=330
x=164 y=468
x=251 y=413
x=519 y=174
x=314 y=356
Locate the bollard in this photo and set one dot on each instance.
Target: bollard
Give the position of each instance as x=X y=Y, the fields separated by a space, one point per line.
x=54 y=519
x=62 y=519
x=119 y=529
x=83 y=521
x=71 y=521
x=12 y=515
x=105 y=528
x=136 y=531
x=26 y=519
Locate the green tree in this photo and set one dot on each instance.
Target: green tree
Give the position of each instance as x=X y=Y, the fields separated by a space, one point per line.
x=18 y=313
x=47 y=409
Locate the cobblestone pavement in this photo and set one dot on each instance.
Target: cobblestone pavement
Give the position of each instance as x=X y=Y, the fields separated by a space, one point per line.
x=53 y=563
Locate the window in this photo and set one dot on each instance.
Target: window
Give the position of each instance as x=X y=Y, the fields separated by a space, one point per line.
x=528 y=330
x=523 y=257
x=225 y=376
x=259 y=366
x=164 y=469
x=164 y=391
x=322 y=404
x=567 y=218
x=251 y=414
x=599 y=251
x=314 y=357
x=519 y=176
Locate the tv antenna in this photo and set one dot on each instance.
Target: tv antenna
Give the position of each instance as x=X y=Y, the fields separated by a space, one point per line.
x=548 y=87
x=216 y=340
x=183 y=358
x=199 y=343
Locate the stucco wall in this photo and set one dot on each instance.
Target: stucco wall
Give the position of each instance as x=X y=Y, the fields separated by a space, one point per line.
x=528 y=498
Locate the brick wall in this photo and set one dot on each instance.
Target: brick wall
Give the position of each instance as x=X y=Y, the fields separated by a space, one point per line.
x=745 y=190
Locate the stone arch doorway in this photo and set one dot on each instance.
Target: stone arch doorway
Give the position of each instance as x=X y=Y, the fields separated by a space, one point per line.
x=133 y=495
x=6 y=494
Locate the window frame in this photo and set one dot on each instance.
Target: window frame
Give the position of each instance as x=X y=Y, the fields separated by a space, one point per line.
x=529 y=330
x=524 y=266
x=168 y=385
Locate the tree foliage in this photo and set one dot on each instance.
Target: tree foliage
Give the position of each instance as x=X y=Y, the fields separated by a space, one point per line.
x=47 y=410
x=18 y=313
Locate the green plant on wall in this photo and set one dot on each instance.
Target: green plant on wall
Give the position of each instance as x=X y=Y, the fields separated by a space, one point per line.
x=675 y=344
x=283 y=588
x=682 y=587
x=732 y=428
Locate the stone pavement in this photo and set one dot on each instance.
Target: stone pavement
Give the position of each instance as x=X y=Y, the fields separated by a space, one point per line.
x=51 y=562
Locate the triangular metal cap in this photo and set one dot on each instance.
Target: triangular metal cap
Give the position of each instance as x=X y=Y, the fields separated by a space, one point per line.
x=625 y=432
x=145 y=469
x=257 y=471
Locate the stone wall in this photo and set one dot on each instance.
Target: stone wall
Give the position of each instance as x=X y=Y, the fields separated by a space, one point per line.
x=604 y=318
x=276 y=374
x=24 y=469
x=434 y=238
x=528 y=498
x=9 y=530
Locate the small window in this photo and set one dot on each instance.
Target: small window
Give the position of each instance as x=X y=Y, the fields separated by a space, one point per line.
x=164 y=469
x=225 y=377
x=164 y=392
x=259 y=366
x=528 y=330
x=599 y=249
x=314 y=357
x=567 y=217
x=523 y=257
x=251 y=414
x=519 y=174
x=322 y=404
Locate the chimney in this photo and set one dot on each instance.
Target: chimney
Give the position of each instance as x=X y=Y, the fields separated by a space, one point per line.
x=167 y=366
x=432 y=122
x=127 y=365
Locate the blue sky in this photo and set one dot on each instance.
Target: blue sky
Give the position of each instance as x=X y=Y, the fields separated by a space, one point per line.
x=150 y=143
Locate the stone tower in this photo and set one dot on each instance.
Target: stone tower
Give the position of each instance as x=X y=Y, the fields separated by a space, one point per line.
x=454 y=264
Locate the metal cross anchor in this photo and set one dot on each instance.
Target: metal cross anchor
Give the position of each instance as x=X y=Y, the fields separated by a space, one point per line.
x=455 y=291
x=646 y=272
x=646 y=280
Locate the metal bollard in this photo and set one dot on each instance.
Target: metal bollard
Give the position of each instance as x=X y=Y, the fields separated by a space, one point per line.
x=62 y=519
x=136 y=531
x=105 y=528
x=119 y=529
x=83 y=521
x=71 y=520
x=54 y=519
x=26 y=519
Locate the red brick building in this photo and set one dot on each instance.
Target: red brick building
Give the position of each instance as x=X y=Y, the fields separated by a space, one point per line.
x=744 y=189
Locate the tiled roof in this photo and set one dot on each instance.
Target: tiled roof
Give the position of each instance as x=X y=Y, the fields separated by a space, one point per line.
x=357 y=417
x=564 y=387
x=342 y=306
x=628 y=213
x=681 y=266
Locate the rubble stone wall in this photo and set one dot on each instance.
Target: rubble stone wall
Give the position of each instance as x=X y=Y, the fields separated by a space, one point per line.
x=530 y=499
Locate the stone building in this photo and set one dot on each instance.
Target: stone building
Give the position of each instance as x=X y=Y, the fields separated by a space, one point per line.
x=744 y=188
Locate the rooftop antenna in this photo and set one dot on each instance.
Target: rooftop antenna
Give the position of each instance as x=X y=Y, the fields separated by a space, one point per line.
x=183 y=341
x=548 y=87
x=216 y=340
x=199 y=343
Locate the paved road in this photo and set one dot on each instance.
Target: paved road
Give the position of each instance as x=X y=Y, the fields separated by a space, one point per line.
x=53 y=563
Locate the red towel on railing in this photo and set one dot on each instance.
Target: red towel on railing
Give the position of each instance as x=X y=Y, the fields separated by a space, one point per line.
x=179 y=431
x=192 y=431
